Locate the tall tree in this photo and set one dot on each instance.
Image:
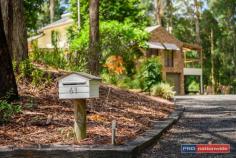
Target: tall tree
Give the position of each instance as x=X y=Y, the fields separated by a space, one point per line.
x=212 y=61
x=160 y=7
x=79 y=18
x=15 y=28
x=169 y=15
x=7 y=13
x=197 y=6
x=19 y=43
x=137 y=11
x=7 y=79
x=192 y=11
x=210 y=35
x=33 y=8
x=164 y=13
x=93 y=63
x=37 y=13
x=52 y=10
x=225 y=12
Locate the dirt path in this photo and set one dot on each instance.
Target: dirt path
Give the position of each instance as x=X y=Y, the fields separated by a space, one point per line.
x=207 y=119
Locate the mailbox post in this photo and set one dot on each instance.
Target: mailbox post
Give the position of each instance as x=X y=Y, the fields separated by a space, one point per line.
x=78 y=87
x=80 y=119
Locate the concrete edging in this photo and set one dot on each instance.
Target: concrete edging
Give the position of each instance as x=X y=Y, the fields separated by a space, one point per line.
x=128 y=150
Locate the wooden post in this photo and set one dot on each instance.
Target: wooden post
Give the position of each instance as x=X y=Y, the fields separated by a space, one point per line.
x=201 y=84
x=80 y=119
x=113 y=137
x=79 y=19
x=202 y=88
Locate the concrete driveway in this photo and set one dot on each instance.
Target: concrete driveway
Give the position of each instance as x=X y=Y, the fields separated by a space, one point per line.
x=207 y=119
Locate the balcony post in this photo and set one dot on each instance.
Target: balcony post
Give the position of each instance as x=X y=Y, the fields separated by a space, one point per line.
x=201 y=84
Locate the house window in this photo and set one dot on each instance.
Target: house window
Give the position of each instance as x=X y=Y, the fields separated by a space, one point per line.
x=169 y=59
x=153 y=52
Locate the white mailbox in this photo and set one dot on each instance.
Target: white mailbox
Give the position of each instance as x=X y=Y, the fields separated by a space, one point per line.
x=79 y=86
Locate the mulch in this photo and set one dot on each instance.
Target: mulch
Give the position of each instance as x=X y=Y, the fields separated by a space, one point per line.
x=47 y=120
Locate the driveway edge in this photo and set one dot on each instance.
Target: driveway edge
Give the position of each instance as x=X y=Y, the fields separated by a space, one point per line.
x=149 y=138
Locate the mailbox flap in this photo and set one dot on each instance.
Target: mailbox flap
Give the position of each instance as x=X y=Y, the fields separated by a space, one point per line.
x=73 y=83
x=78 y=86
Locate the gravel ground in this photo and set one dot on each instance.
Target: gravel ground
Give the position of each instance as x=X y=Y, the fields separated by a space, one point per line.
x=207 y=119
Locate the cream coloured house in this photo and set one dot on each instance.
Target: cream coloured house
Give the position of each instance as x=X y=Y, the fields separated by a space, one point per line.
x=44 y=38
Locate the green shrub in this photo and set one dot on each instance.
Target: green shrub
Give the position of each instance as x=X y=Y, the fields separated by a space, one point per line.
x=194 y=87
x=32 y=74
x=111 y=79
x=130 y=83
x=149 y=73
x=124 y=82
x=7 y=111
x=25 y=69
x=121 y=81
x=123 y=85
x=52 y=57
x=35 y=54
x=48 y=78
x=234 y=86
x=234 y=83
x=59 y=58
x=37 y=77
x=135 y=84
x=163 y=90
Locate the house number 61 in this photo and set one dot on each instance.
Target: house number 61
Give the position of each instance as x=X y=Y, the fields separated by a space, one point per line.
x=73 y=90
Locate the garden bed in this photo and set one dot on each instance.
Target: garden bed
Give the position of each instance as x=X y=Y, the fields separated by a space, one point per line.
x=46 y=120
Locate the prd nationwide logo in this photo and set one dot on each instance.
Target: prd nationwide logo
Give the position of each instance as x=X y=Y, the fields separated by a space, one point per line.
x=205 y=148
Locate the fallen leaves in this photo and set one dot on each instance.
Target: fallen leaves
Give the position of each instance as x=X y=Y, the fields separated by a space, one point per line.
x=45 y=119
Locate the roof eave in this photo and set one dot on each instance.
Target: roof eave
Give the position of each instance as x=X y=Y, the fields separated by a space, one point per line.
x=56 y=25
x=192 y=46
x=78 y=73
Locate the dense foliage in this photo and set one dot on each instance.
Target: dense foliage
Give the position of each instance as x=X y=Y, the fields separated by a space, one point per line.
x=122 y=11
x=216 y=17
x=7 y=111
x=163 y=90
x=149 y=73
x=37 y=13
x=29 y=73
x=122 y=39
x=32 y=9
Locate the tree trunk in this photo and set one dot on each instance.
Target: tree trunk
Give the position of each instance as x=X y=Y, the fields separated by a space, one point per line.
x=79 y=19
x=4 y=8
x=198 y=38
x=8 y=88
x=234 y=72
x=52 y=10
x=19 y=45
x=93 y=64
x=212 y=62
x=197 y=24
x=159 y=12
x=7 y=16
x=169 y=10
x=15 y=28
